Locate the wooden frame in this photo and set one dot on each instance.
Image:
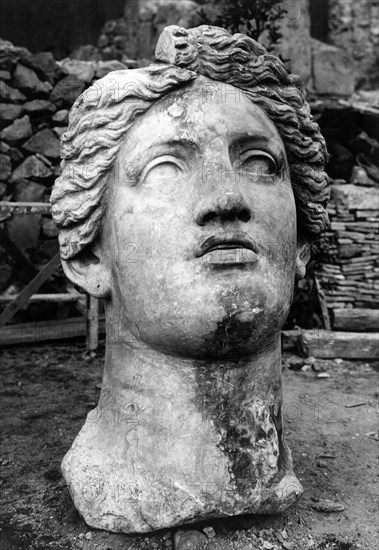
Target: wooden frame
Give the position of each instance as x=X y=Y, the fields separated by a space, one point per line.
x=30 y=332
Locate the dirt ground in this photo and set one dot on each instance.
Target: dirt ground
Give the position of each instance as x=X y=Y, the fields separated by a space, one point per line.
x=47 y=390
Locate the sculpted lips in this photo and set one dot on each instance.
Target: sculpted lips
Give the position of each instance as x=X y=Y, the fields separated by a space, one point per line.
x=228 y=249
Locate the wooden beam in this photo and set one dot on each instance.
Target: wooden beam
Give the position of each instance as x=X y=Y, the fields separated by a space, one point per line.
x=22 y=299
x=44 y=331
x=356 y=320
x=58 y=297
x=20 y=208
x=325 y=344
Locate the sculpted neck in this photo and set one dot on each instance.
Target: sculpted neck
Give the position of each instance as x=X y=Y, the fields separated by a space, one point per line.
x=173 y=439
x=164 y=390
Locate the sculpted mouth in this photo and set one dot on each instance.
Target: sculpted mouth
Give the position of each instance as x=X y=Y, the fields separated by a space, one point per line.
x=228 y=250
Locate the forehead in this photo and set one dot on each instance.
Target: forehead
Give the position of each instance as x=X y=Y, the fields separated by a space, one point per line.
x=202 y=112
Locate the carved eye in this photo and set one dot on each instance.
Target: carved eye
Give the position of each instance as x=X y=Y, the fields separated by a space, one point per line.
x=258 y=164
x=161 y=169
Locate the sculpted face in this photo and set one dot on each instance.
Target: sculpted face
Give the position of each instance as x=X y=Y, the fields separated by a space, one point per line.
x=200 y=232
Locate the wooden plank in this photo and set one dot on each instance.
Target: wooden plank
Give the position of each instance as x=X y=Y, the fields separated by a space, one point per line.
x=8 y=208
x=92 y=324
x=22 y=299
x=58 y=297
x=44 y=331
x=325 y=344
x=356 y=320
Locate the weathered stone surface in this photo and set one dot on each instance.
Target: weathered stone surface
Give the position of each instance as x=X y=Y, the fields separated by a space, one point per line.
x=18 y=131
x=5 y=75
x=44 y=142
x=84 y=70
x=86 y=53
x=354 y=27
x=4 y=147
x=333 y=70
x=61 y=117
x=59 y=131
x=27 y=81
x=49 y=229
x=186 y=220
x=3 y=190
x=44 y=64
x=8 y=113
x=189 y=540
x=39 y=107
x=16 y=156
x=10 y=54
x=5 y=167
x=7 y=93
x=295 y=44
x=28 y=191
x=24 y=230
x=105 y=67
x=67 y=90
x=32 y=168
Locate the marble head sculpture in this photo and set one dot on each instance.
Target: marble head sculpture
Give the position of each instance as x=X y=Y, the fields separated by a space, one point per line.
x=189 y=193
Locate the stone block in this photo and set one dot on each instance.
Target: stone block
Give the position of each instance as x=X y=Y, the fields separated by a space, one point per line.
x=61 y=117
x=10 y=54
x=333 y=70
x=29 y=191
x=32 y=168
x=105 y=67
x=18 y=131
x=86 y=53
x=44 y=142
x=59 y=130
x=9 y=94
x=27 y=81
x=84 y=70
x=24 y=230
x=4 y=147
x=5 y=75
x=44 y=64
x=16 y=156
x=67 y=90
x=294 y=46
x=39 y=107
x=5 y=167
x=8 y=113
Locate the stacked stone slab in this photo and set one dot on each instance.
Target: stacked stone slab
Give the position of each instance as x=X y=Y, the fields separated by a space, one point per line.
x=36 y=93
x=349 y=272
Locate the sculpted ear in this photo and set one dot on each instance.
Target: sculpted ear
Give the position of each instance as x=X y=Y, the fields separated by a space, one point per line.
x=302 y=258
x=89 y=270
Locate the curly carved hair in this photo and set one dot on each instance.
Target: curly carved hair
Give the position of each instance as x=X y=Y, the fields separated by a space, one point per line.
x=101 y=117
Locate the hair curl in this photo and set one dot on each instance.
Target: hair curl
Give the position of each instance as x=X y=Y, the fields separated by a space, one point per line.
x=102 y=115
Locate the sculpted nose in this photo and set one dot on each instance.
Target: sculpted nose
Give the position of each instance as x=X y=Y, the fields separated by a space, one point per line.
x=225 y=205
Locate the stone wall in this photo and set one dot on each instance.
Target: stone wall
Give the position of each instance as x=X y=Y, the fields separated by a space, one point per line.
x=353 y=26
x=36 y=93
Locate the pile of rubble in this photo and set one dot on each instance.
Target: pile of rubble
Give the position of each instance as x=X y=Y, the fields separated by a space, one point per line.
x=36 y=93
